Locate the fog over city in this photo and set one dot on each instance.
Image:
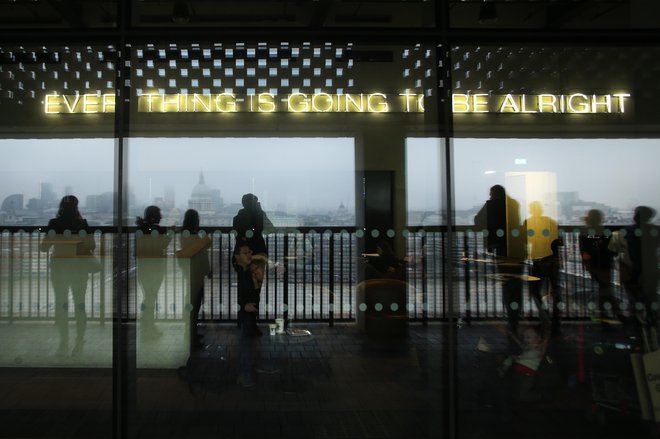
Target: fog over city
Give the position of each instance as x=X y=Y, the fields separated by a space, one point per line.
x=294 y=174
x=307 y=175
x=612 y=174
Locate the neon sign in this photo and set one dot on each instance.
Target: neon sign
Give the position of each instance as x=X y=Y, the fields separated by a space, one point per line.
x=224 y=102
x=574 y=103
x=230 y=103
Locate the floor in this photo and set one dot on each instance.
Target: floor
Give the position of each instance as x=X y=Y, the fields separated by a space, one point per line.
x=339 y=383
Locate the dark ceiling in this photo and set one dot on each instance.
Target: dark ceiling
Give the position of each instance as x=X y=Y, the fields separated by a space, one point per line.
x=296 y=14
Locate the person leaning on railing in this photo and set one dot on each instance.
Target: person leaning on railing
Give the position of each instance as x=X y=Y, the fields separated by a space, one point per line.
x=150 y=245
x=71 y=262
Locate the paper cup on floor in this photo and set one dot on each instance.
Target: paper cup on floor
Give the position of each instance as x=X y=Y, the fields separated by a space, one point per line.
x=272 y=328
x=279 y=326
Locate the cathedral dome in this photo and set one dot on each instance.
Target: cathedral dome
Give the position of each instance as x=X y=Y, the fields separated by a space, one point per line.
x=203 y=198
x=201 y=190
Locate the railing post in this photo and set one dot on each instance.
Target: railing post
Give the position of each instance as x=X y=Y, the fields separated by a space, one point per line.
x=102 y=281
x=331 y=282
x=425 y=292
x=466 y=275
x=11 y=276
x=285 y=279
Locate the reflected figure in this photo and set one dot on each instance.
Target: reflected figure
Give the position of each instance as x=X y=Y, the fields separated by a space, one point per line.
x=386 y=265
x=597 y=259
x=250 y=223
x=194 y=251
x=500 y=218
x=251 y=274
x=248 y=302
x=639 y=271
x=151 y=243
x=522 y=368
x=543 y=248
x=70 y=264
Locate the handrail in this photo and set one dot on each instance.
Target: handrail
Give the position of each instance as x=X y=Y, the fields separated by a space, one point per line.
x=314 y=274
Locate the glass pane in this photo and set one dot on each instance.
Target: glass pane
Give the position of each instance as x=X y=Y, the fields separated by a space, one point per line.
x=300 y=182
x=423 y=186
x=317 y=132
x=56 y=241
x=549 y=233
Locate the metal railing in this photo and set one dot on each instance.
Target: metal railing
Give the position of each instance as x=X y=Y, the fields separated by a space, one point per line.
x=312 y=276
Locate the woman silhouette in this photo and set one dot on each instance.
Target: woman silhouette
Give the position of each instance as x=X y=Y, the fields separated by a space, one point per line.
x=150 y=248
x=70 y=265
x=195 y=246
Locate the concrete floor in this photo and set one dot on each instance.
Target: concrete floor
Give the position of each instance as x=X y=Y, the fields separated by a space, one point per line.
x=338 y=383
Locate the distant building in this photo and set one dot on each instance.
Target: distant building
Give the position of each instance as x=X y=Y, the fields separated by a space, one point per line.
x=11 y=209
x=169 y=198
x=12 y=204
x=48 y=196
x=207 y=201
x=102 y=203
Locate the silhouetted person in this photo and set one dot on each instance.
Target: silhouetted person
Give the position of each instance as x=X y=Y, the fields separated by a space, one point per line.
x=500 y=217
x=249 y=223
x=248 y=312
x=194 y=249
x=597 y=258
x=151 y=245
x=70 y=265
x=542 y=244
x=642 y=280
x=386 y=265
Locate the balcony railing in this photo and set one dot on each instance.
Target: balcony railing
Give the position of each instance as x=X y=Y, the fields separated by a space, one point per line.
x=312 y=276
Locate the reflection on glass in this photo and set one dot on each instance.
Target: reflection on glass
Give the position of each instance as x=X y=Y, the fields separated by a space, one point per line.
x=300 y=181
x=423 y=188
x=36 y=173
x=59 y=274
x=582 y=170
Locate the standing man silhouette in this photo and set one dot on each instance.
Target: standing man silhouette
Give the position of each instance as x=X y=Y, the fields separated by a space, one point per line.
x=500 y=219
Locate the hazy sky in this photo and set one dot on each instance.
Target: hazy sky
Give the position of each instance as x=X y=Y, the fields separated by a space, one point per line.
x=294 y=173
x=299 y=173
x=619 y=172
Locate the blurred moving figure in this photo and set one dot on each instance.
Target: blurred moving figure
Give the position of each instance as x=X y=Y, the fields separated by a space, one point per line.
x=637 y=249
x=597 y=259
x=543 y=247
x=500 y=219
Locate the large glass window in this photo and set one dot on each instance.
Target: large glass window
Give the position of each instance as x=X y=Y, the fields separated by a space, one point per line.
x=582 y=174
x=299 y=181
x=37 y=173
x=553 y=194
x=57 y=209
x=251 y=237
x=318 y=133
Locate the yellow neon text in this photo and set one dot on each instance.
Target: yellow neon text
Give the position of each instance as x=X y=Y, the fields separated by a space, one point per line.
x=151 y=102
x=55 y=103
x=575 y=103
x=415 y=99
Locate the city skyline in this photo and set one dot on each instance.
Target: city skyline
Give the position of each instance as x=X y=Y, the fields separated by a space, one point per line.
x=318 y=174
